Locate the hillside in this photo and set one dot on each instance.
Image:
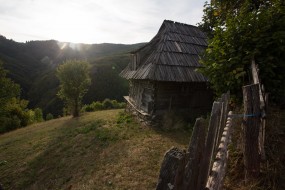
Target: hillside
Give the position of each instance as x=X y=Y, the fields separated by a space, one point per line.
x=100 y=150
x=32 y=65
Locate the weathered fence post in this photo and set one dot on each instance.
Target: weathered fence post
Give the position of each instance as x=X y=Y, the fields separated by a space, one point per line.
x=172 y=166
x=210 y=145
x=251 y=127
x=263 y=101
x=215 y=180
x=193 y=159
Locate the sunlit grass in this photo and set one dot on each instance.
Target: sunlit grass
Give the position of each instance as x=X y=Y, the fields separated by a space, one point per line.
x=100 y=150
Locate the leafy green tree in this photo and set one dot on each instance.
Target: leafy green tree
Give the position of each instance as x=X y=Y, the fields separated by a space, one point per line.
x=38 y=115
x=8 y=89
x=239 y=31
x=74 y=82
x=8 y=92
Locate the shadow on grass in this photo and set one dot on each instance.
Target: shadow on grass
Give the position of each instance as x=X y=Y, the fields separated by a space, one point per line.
x=71 y=154
x=79 y=149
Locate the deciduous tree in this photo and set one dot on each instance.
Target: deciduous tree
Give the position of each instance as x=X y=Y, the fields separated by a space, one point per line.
x=237 y=32
x=74 y=82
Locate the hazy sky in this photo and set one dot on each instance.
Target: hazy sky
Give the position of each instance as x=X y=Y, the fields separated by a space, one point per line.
x=93 y=21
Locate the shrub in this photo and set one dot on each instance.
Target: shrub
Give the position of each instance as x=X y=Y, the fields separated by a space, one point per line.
x=97 y=106
x=107 y=104
x=49 y=116
x=38 y=115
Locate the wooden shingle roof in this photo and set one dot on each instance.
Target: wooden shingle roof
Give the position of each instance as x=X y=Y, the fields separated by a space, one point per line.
x=172 y=55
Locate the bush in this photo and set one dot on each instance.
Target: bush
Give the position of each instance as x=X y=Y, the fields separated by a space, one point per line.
x=49 y=116
x=38 y=115
x=106 y=104
x=97 y=106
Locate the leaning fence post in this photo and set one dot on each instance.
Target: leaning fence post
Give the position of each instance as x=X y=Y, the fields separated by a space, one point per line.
x=193 y=159
x=251 y=126
x=210 y=143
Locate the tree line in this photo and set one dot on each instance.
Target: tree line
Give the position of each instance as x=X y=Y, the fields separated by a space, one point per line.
x=13 y=110
x=33 y=66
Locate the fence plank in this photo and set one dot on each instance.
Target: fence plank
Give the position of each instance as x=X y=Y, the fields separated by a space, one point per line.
x=263 y=97
x=195 y=149
x=251 y=126
x=215 y=180
x=210 y=143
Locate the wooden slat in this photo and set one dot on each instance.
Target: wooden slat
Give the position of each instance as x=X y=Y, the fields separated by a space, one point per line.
x=210 y=144
x=215 y=180
x=196 y=150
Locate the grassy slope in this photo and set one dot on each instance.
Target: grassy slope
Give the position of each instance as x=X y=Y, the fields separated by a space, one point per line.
x=100 y=150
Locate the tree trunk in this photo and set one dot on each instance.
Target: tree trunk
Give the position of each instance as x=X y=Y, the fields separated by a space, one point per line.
x=76 y=108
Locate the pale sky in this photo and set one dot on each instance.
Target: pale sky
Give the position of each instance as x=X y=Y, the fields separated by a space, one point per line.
x=93 y=21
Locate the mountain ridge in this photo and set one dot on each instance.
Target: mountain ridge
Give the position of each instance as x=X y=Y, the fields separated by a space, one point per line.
x=32 y=65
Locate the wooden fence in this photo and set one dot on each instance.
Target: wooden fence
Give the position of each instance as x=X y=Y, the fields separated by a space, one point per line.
x=203 y=165
x=255 y=101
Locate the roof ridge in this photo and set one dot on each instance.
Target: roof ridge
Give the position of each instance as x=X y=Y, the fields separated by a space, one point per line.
x=179 y=23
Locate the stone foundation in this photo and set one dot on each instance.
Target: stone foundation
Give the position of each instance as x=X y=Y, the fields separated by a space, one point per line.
x=144 y=119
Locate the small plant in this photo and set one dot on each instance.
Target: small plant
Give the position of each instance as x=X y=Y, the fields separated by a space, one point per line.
x=124 y=118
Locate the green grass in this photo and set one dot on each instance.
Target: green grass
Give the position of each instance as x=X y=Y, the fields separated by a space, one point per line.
x=99 y=150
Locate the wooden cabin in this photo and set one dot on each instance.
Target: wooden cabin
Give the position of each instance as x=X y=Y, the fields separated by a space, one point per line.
x=163 y=73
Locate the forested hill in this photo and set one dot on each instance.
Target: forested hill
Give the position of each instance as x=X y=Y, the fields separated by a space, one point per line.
x=32 y=65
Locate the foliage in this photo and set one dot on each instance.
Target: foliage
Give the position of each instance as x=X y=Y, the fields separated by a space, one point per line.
x=33 y=66
x=106 y=104
x=239 y=31
x=38 y=115
x=13 y=113
x=8 y=88
x=124 y=118
x=49 y=117
x=74 y=81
